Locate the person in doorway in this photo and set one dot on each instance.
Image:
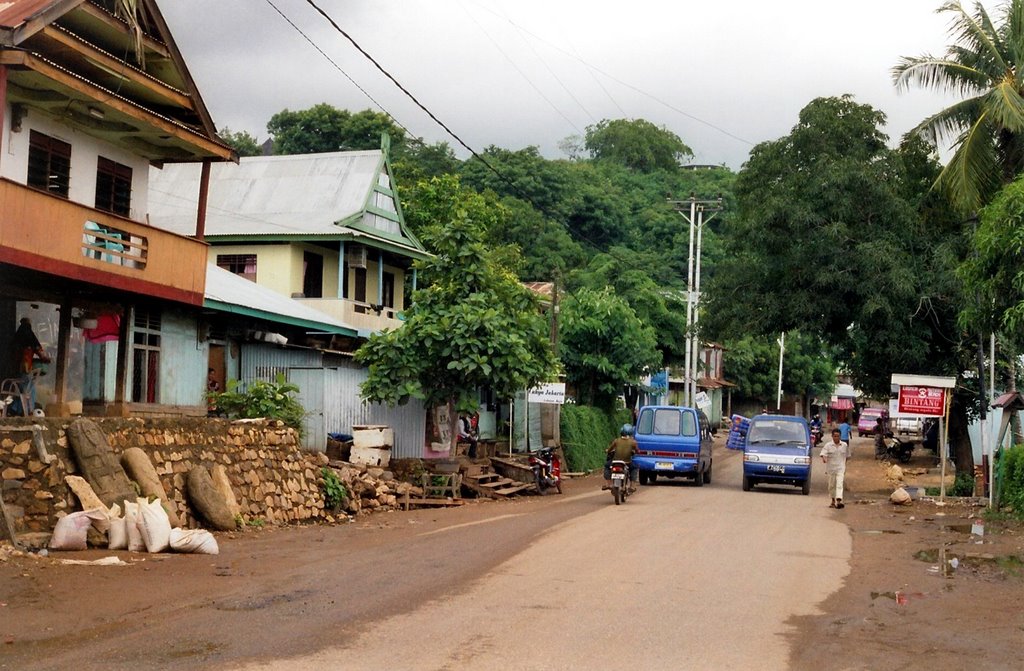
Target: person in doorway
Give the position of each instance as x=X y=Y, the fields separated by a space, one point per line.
x=212 y=387
x=834 y=455
x=28 y=351
x=467 y=435
x=621 y=449
x=845 y=430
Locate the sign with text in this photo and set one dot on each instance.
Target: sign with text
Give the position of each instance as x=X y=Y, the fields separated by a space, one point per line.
x=928 y=401
x=548 y=392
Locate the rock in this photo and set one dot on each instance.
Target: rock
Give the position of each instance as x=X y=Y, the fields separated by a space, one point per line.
x=895 y=473
x=223 y=484
x=22 y=448
x=43 y=495
x=207 y=500
x=99 y=466
x=13 y=474
x=900 y=497
x=86 y=496
x=140 y=469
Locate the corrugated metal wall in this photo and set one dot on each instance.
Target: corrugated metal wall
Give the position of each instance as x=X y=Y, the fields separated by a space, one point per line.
x=409 y=421
x=340 y=406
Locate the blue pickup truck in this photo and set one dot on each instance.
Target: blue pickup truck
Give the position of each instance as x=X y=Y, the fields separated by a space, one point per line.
x=673 y=442
x=777 y=451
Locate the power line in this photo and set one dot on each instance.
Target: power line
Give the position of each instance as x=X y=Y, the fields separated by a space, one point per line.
x=338 y=67
x=519 y=70
x=623 y=83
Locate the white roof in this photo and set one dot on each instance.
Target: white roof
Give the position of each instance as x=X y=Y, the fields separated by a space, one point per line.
x=225 y=287
x=923 y=381
x=266 y=195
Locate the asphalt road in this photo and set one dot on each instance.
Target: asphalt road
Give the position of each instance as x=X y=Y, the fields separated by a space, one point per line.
x=678 y=577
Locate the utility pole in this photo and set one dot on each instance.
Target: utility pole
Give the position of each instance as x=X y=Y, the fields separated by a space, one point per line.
x=554 y=315
x=696 y=221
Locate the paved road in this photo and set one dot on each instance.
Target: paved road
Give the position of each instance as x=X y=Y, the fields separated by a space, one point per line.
x=678 y=577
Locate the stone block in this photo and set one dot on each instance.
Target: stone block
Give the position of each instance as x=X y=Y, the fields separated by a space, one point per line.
x=13 y=474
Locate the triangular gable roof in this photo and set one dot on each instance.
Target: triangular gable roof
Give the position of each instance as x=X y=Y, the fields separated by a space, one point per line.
x=296 y=197
x=72 y=47
x=227 y=292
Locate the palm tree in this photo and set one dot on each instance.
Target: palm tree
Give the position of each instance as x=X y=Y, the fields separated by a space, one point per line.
x=984 y=66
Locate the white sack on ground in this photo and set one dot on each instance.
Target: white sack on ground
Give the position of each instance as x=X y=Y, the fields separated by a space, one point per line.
x=154 y=525
x=199 y=541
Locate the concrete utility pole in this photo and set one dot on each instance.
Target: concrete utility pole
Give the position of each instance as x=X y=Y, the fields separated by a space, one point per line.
x=696 y=221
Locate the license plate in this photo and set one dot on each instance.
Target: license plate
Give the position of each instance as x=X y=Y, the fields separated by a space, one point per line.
x=618 y=476
x=664 y=466
x=775 y=468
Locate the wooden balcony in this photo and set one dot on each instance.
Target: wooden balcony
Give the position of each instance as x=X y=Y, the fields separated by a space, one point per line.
x=358 y=315
x=56 y=236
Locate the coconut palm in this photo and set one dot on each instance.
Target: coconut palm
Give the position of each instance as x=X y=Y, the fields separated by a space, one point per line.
x=984 y=66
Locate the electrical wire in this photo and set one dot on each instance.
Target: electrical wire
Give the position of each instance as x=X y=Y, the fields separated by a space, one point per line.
x=623 y=83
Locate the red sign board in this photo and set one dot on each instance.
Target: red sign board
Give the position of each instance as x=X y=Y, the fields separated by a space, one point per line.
x=922 y=400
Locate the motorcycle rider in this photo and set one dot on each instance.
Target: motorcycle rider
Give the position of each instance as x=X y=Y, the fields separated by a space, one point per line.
x=816 y=432
x=621 y=449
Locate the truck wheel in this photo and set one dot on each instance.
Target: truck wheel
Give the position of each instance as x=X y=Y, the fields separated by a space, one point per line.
x=707 y=473
x=698 y=479
x=747 y=484
x=644 y=478
x=806 y=488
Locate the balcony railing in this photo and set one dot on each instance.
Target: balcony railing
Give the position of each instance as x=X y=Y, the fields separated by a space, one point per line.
x=54 y=235
x=357 y=314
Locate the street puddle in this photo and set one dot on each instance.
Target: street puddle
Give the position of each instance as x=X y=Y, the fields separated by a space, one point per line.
x=879 y=532
x=947 y=563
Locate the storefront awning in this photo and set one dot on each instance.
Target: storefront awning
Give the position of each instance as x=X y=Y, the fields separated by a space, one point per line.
x=841 y=404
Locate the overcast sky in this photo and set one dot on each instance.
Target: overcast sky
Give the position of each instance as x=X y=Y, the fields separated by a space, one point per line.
x=722 y=75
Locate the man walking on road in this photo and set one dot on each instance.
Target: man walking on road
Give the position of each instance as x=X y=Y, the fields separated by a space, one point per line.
x=834 y=454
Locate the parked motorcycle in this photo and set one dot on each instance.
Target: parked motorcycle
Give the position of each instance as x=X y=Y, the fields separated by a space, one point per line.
x=892 y=448
x=547 y=470
x=620 y=481
x=816 y=434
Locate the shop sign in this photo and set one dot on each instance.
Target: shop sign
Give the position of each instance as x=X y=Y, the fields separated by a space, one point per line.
x=928 y=401
x=548 y=392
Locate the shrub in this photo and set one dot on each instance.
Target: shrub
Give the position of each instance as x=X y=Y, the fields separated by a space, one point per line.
x=586 y=433
x=335 y=493
x=272 y=400
x=1012 y=470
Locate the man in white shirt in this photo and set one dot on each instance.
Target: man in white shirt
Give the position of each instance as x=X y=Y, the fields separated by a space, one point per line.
x=834 y=454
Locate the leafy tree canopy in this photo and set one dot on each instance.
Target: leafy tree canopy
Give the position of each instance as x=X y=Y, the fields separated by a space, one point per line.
x=637 y=144
x=985 y=64
x=604 y=345
x=242 y=141
x=752 y=364
x=325 y=128
x=473 y=326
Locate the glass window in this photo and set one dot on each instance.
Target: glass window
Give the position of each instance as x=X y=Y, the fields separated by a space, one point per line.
x=239 y=264
x=666 y=422
x=113 y=187
x=49 y=164
x=146 y=357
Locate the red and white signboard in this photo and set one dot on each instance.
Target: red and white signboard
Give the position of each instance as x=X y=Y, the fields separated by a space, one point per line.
x=929 y=401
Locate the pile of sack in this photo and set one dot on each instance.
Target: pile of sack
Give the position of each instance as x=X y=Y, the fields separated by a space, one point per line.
x=143 y=527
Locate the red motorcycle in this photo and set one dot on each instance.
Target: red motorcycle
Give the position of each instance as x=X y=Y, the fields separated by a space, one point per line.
x=547 y=470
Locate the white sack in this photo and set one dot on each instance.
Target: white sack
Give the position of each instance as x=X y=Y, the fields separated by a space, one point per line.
x=199 y=541
x=154 y=525
x=131 y=523
x=118 y=534
x=71 y=530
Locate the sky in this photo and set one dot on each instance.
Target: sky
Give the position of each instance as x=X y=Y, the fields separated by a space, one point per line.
x=722 y=75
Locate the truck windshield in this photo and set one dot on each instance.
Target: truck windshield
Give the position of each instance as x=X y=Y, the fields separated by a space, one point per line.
x=666 y=422
x=776 y=431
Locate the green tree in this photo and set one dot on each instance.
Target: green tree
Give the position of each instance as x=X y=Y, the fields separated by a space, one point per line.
x=325 y=128
x=985 y=64
x=473 y=326
x=416 y=160
x=835 y=236
x=603 y=345
x=242 y=141
x=637 y=144
x=752 y=364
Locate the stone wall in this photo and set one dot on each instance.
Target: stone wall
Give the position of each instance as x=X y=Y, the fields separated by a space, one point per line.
x=272 y=479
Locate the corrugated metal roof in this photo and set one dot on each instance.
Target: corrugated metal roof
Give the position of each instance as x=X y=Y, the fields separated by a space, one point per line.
x=265 y=195
x=13 y=13
x=226 y=288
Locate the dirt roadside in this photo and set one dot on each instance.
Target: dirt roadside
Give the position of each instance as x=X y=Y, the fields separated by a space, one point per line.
x=923 y=591
x=897 y=609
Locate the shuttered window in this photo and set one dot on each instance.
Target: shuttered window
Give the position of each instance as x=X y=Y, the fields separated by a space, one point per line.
x=113 y=187
x=49 y=164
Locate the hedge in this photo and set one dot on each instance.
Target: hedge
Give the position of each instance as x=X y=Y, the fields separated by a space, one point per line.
x=587 y=432
x=1012 y=468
